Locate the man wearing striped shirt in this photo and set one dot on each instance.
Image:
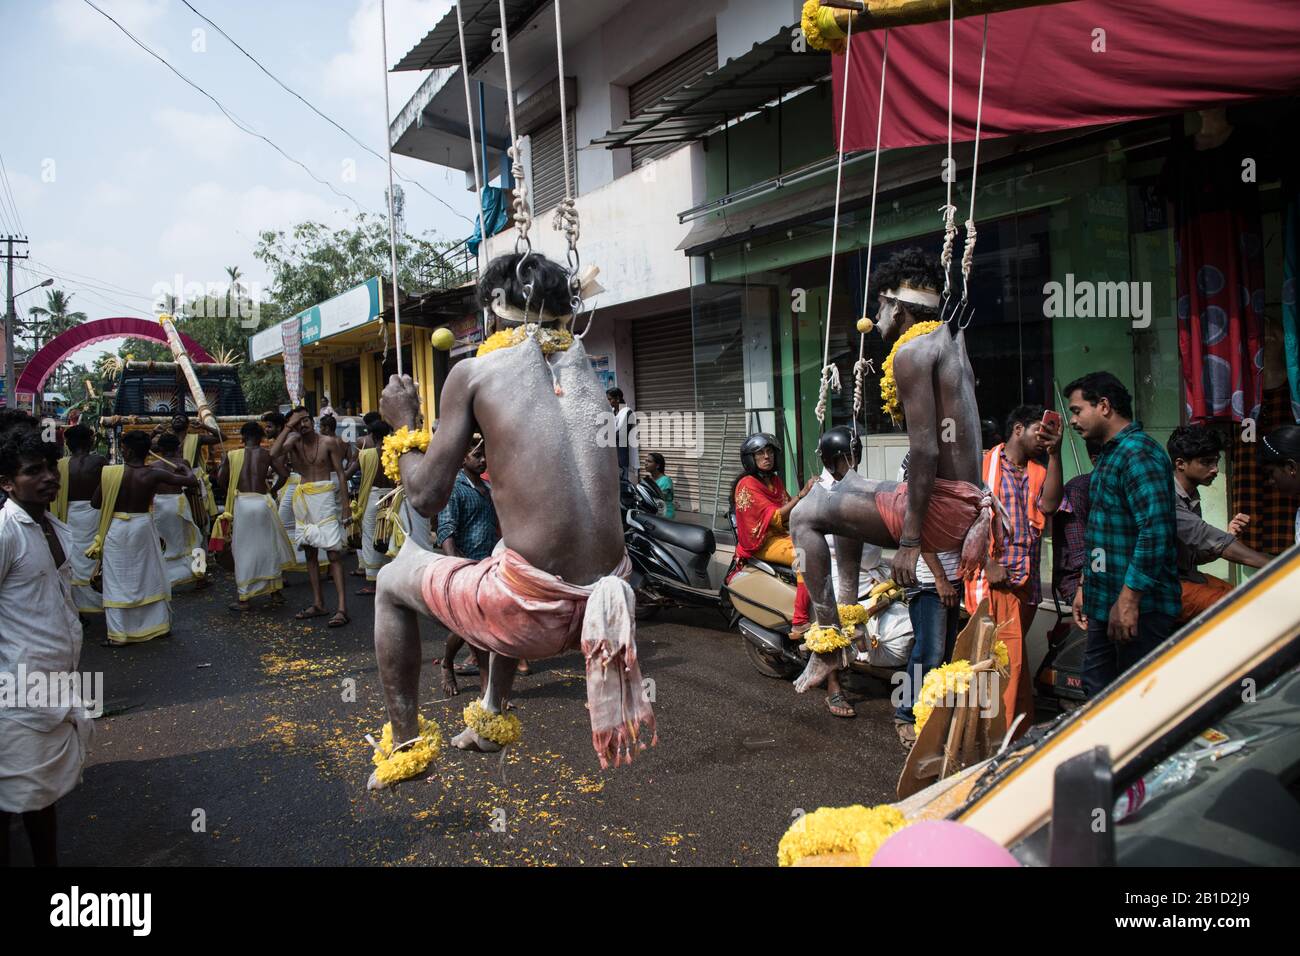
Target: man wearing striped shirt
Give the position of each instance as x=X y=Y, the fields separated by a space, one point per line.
x=1029 y=494
x=1130 y=595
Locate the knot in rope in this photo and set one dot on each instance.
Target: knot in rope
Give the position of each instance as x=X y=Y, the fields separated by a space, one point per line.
x=566 y=220
x=949 y=240
x=967 y=256
x=860 y=369
x=830 y=383
x=521 y=216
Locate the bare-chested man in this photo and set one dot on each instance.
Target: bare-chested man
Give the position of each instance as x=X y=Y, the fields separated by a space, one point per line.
x=320 y=508
x=203 y=503
x=83 y=465
x=560 y=580
x=137 y=594
x=942 y=506
x=258 y=541
x=174 y=518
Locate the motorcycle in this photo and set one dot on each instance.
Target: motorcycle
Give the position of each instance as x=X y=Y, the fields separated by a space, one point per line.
x=670 y=559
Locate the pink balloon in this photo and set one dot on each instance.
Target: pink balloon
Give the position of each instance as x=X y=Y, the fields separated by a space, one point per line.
x=941 y=843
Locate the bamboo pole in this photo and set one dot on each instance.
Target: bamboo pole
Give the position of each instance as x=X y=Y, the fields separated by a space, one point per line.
x=883 y=14
x=183 y=360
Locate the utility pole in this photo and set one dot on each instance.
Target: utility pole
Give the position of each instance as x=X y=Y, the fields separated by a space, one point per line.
x=11 y=317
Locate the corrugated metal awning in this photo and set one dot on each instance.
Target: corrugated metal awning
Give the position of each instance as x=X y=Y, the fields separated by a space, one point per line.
x=744 y=84
x=441 y=45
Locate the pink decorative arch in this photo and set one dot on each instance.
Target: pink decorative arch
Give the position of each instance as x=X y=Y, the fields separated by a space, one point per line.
x=44 y=362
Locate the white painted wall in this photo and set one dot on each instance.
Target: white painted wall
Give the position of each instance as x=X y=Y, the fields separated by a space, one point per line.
x=742 y=23
x=629 y=229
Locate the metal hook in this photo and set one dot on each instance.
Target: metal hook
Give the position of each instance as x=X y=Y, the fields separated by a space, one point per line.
x=966 y=316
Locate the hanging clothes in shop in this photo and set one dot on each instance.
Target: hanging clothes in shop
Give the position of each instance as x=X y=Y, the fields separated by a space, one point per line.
x=1272 y=514
x=1220 y=266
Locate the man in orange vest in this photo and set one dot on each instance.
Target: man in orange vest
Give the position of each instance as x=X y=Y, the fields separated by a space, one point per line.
x=1028 y=494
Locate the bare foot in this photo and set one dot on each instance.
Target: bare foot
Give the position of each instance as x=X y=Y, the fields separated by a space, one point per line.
x=820 y=666
x=468 y=739
x=374 y=783
x=449 y=681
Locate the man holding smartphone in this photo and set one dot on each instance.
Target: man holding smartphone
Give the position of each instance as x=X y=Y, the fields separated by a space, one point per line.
x=1029 y=493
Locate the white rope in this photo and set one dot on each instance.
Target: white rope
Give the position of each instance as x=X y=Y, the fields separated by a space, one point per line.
x=521 y=215
x=864 y=365
x=948 y=210
x=830 y=377
x=566 y=213
x=968 y=253
x=388 y=148
x=474 y=157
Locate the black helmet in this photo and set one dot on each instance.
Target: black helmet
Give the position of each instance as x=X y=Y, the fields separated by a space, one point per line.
x=837 y=441
x=752 y=446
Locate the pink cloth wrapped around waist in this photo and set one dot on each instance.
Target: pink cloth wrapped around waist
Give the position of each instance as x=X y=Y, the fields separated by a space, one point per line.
x=505 y=605
x=957 y=518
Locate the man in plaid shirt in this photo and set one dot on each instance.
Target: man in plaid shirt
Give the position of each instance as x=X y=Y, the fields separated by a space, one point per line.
x=1130 y=594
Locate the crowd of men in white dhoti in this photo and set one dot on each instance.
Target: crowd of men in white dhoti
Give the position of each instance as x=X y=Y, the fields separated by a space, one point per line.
x=86 y=551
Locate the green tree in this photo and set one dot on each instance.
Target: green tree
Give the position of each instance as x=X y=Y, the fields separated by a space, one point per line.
x=51 y=319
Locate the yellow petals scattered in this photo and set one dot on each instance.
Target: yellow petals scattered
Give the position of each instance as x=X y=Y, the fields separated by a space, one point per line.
x=888 y=386
x=856 y=829
x=399 y=443
x=503 y=729
x=391 y=767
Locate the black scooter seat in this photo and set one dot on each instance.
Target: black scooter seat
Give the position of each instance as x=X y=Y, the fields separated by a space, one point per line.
x=689 y=537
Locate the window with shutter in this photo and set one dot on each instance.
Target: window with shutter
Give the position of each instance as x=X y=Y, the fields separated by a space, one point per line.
x=547 y=163
x=669 y=78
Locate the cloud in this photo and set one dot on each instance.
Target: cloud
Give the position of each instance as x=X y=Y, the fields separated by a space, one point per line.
x=76 y=21
x=208 y=136
x=354 y=75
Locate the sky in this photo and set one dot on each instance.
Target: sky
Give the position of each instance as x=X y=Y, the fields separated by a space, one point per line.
x=124 y=177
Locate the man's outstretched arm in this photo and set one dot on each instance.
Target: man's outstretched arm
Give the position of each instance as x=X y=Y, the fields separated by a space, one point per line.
x=428 y=478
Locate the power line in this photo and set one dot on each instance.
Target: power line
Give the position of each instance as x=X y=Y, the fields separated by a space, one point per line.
x=4 y=178
x=225 y=112
x=95 y=280
x=323 y=116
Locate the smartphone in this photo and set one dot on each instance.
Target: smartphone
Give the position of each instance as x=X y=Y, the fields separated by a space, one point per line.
x=1052 y=420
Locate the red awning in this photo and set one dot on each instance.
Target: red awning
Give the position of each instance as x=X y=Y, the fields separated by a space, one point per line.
x=1046 y=71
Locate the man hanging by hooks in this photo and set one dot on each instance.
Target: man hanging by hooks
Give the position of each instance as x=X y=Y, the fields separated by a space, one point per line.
x=927 y=382
x=558 y=580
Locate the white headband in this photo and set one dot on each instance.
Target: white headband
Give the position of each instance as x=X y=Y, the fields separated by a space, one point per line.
x=914 y=296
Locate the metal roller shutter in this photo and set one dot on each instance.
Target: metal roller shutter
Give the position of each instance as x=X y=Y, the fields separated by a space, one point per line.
x=720 y=396
x=669 y=78
x=547 y=186
x=663 y=369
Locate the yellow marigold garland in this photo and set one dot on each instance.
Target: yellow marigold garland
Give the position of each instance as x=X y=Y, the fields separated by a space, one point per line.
x=551 y=340
x=853 y=614
x=824 y=640
x=399 y=443
x=503 y=729
x=856 y=829
x=888 y=386
x=946 y=682
x=820 y=28
x=391 y=767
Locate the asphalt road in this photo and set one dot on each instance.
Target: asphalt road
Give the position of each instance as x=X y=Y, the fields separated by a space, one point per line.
x=233 y=741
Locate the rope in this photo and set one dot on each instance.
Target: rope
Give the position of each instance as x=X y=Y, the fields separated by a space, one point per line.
x=566 y=213
x=948 y=210
x=521 y=215
x=473 y=147
x=864 y=365
x=392 y=228
x=830 y=378
x=968 y=253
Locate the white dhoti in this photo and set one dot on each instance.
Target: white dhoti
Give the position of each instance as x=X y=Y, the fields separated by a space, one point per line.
x=316 y=517
x=84 y=522
x=42 y=751
x=371 y=558
x=261 y=548
x=180 y=535
x=137 y=593
x=289 y=524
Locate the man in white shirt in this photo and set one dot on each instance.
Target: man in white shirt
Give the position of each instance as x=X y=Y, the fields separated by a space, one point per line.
x=625 y=430
x=42 y=745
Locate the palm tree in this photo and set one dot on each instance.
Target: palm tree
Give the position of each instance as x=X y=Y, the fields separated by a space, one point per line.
x=234 y=273
x=53 y=318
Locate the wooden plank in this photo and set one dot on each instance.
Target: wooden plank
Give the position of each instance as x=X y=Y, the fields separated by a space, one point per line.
x=924 y=762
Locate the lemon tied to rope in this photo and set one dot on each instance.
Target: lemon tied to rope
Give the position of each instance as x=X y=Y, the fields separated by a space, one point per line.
x=442 y=339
